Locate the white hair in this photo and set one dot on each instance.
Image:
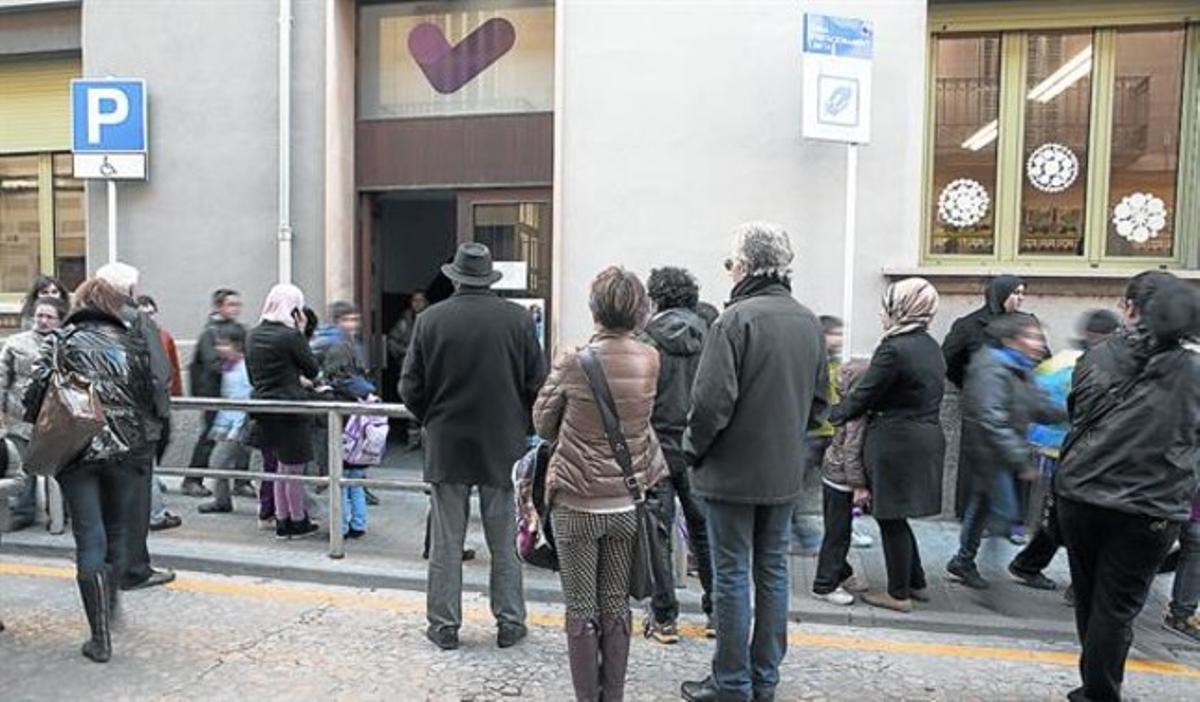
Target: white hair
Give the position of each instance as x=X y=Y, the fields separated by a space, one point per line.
x=763 y=248
x=121 y=276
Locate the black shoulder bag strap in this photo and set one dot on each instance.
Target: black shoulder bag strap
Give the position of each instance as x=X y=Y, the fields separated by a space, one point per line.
x=612 y=423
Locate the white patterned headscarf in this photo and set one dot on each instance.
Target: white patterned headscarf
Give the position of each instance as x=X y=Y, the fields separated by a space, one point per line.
x=908 y=305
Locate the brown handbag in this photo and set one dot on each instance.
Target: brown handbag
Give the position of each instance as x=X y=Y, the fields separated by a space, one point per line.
x=70 y=417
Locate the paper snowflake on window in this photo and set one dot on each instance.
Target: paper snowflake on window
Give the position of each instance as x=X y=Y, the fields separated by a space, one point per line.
x=963 y=203
x=1052 y=168
x=1139 y=217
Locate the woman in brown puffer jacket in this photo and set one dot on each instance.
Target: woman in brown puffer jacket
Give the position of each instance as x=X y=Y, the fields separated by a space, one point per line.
x=592 y=511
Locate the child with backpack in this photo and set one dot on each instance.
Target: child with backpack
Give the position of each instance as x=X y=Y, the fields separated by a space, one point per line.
x=364 y=441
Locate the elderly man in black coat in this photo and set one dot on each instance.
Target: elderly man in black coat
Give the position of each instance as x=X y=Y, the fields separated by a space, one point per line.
x=471 y=374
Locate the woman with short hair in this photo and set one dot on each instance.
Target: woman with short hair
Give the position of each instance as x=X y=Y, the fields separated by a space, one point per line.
x=593 y=514
x=100 y=486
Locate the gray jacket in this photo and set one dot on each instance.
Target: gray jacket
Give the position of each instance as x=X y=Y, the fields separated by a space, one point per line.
x=17 y=357
x=761 y=385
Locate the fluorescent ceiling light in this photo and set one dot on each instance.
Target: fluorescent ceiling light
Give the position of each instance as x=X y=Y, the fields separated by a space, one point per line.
x=1067 y=74
x=986 y=135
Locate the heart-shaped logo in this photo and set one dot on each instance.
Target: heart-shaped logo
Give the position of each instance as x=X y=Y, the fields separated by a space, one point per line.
x=448 y=68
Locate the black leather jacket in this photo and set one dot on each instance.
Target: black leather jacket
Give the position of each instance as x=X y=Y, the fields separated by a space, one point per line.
x=102 y=349
x=1135 y=428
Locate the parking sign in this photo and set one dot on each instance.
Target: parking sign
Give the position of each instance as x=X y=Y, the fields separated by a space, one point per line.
x=108 y=128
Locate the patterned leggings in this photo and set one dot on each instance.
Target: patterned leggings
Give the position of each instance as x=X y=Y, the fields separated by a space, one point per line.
x=594 y=552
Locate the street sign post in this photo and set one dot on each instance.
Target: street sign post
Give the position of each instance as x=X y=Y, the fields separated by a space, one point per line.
x=837 y=107
x=108 y=136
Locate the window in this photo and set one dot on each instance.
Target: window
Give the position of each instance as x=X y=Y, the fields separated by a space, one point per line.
x=20 y=223
x=41 y=222
x=1062 y=146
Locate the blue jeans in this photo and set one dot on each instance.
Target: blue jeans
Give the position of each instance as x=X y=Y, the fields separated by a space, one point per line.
x=354 y=500
x=99 y=497
x=996 y=501
x=1185 y=591
x=740 y=535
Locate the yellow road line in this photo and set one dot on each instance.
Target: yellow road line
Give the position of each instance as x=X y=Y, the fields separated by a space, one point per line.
x=396 y=603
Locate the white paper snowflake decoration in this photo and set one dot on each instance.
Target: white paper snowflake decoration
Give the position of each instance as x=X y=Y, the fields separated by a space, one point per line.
x=1052 y=168
x=963 y=203
x=1139 y=217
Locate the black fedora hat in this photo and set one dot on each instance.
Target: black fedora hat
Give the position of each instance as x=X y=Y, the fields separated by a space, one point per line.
x=472 y=266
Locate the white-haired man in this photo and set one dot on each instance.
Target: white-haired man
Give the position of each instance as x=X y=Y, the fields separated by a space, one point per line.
x=761 y=382
x=138 y=573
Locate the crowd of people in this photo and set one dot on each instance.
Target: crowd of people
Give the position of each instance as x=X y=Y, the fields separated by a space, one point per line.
x=730 y=418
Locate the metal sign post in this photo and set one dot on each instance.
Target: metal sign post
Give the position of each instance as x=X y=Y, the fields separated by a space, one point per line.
x=837 y=107
x=108 y=129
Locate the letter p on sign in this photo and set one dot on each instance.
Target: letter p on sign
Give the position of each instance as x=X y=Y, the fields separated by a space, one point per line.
x=105 y=106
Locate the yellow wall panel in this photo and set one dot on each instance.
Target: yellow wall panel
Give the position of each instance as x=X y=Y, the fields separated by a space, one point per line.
x=35 y=104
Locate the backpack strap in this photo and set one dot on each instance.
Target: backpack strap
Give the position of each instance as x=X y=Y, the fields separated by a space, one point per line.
x=608 y=415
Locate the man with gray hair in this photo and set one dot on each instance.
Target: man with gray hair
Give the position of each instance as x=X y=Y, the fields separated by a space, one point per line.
x=761 y=384
x=138 y=573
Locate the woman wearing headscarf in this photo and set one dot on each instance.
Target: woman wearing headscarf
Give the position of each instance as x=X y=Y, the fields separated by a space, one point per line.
x=281 y=364
x=901 y=395
x=1127 y=475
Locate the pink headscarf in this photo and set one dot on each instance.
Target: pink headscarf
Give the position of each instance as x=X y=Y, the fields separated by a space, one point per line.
x=283 y=299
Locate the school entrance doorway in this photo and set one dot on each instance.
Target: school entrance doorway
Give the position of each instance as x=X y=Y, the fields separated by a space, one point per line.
x=406 y=236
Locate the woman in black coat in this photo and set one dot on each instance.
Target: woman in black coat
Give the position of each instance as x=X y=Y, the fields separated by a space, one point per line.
x=100 y=486
x=901 y=394
x=281 y=366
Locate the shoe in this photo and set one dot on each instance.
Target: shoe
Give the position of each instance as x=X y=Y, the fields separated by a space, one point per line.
x=967 y=573
x=195 y=490
x=170 y=521
x=920 y=594
x=662 y=632
x=508 y=635
x=855 y=584
x=886 y=601
x=1018 y=538
x=266 y=523
x=1037 y=581
x=354 y=534
x=283 y=528
x=245 y=490
x=445 y=639
x=710 y=627
x=1187 y=627
x=215 y=507
x=838 y=597
x=700 y=690
x=861 y=540
x=303 y=528
x=157 y=577
x=94 y=590
x=372 y=499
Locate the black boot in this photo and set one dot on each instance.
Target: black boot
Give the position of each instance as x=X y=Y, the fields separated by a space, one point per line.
x=96 y=591
x=614 y=655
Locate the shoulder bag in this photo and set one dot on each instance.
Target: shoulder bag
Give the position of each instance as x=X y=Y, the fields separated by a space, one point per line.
x=69 y=418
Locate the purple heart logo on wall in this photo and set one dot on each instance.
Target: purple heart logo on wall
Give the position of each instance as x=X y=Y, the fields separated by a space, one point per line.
x=449 y=68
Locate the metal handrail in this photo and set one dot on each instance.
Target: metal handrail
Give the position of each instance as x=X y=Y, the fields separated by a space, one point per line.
x=333 y=410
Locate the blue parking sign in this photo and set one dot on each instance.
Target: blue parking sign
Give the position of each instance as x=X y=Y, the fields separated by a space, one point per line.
x=108 y=116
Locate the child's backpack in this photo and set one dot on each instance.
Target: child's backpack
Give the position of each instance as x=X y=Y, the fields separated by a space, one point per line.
x=364 y=439
x=535 y=539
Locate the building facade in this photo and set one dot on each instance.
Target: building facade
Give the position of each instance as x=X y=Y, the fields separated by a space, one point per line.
x=1057 y=140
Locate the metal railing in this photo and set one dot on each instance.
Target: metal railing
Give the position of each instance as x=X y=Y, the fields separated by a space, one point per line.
x=334 y=412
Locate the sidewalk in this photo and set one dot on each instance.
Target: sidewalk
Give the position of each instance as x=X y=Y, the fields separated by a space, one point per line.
x=390 y=557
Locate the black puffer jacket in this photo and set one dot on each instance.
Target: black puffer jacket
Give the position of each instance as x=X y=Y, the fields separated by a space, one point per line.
x=102 y=348
x=1135 y=428
x=1000 y=401
x=678 y=334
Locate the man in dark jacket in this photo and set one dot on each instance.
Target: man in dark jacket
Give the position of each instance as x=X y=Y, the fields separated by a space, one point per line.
x=1000 y=402
x=762 y=383
x=138 y=572
x=471 y=375
x=678 y=334
x=204 y=372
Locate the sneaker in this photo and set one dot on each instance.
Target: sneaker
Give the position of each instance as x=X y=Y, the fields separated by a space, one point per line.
x=967 y=573
x=1187 y=627
x=837 y=597
x=195 y=490
x=1018 y=537
x=855 y=584
x=662 y=632
x=710 y=627
x=445 y=638
x=215 y=507
x=304 y=528
x=508 y=635
x=354 y=534
x=861 y=540
x=1036 y=581
x=169 y=521
x=283 y=528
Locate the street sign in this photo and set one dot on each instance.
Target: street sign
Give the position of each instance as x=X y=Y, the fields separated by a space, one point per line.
x=108 y=128
x=837 y=78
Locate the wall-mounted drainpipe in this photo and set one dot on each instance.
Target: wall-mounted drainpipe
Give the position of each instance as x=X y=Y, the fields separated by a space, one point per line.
x=285 y=142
